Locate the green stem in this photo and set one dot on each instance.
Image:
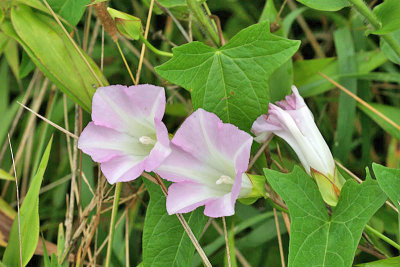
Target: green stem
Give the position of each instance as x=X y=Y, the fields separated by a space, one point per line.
x=152 y=48
x=113 y=220
x=369 y=15
x=382 y=236
x=204 y=21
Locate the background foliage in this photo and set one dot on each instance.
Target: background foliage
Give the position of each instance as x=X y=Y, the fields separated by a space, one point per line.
x=260 y=49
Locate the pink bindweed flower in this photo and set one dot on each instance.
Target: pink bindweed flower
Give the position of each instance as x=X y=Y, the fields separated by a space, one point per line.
x=292 y=120
x=207 y=166
x=126 y=135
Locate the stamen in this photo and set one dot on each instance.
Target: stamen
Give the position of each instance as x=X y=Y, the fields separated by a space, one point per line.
x=224 y=179
x=145 y=140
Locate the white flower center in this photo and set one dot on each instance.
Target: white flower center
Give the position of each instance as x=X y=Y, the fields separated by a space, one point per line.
x=224 y=179
x=145 y=140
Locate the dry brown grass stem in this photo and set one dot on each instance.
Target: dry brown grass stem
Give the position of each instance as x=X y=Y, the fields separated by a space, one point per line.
x=146 y=33
x=70 y=212
x=278 y=233
x=228 y=253
x=361 y=101
x=259 y=152
x=49 y=122
x=183 y=221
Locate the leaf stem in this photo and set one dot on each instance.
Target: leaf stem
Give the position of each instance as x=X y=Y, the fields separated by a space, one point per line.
x=113 y=220
x=369 y=15
x=382 y=236
x=204 y=21
x=152 y=48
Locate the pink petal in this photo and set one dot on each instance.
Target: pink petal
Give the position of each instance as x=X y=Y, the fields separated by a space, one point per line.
x=122 y=168
x=184 y=197
x=181 y=166
x=161 y=150
x=103 y=143
x=128 y=109
x=293 y=101
x=219 y=207
x=218 y=144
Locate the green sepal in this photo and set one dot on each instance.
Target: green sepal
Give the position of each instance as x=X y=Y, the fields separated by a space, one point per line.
x=127 y=25
x=257 y=191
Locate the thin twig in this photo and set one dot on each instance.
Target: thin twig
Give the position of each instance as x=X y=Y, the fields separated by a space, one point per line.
x=50 y=122
x=228 y=253
x=280 y=12
x=259 y=152
x=125 y=62
x=184 y=223
x=70 y=214
x=219 y=28
x=146 y=33
x=278 y=233
x=19 y=218
x=362 y=102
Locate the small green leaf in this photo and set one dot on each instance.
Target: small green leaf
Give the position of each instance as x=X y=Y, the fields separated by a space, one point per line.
x=231 y=81
x=390 y=112
x=29 y=220
x=127 y=25
x=6 y=176
x=389 y=180
x=165 y=242
x=330 y=5
x=317 y=239
x=388 y=14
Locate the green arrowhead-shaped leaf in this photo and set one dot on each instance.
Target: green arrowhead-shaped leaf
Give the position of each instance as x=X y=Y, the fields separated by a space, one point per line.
x=29 y=221
x=317 y=239
x=389 y=180
x=231 y=81
x=165 y=242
